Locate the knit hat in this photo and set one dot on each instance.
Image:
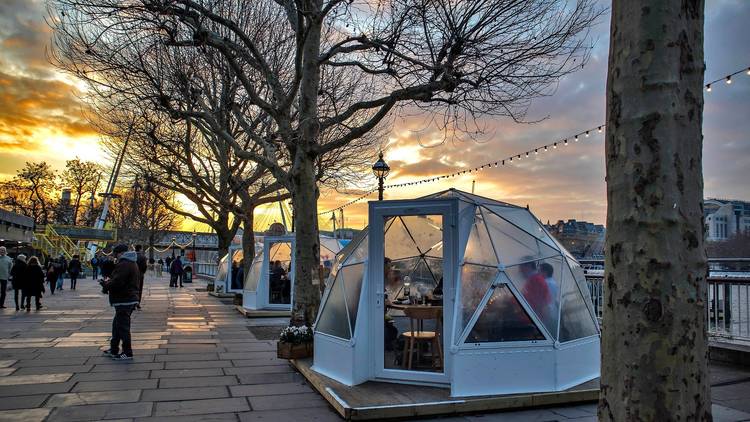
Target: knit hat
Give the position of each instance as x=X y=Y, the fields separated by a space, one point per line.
x=120 y=249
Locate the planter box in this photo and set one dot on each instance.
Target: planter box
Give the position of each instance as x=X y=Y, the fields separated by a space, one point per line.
x=294 y=351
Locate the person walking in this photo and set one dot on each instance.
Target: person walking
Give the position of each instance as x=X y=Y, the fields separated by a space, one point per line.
x=122 y=287
x=159 y=267
x=142 y=267
x=175 y=271
x=6 y=264
x=33 y=283
x=18 y=273
x=95 y=266
x=62 y=267
x=52 y=276
x=74 y=270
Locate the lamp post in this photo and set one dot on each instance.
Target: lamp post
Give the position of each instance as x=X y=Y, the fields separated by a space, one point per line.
x=174 y=246
x=380 y=169
x=195 y=258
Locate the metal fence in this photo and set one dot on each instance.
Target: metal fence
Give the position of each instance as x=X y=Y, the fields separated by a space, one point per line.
x=728 y=301
x=206 y=268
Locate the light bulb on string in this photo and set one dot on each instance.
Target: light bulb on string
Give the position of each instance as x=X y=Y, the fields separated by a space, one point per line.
x=748 y=71
x=527 y=154
x=566 y=143
x=545 y=148
x=536 y=151
x=729 y=79
x=600 y=129
x=576 y=138
x=587 y=133
x=708 y=88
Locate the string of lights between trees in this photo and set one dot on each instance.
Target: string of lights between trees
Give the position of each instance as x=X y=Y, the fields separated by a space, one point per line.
x=381 y=169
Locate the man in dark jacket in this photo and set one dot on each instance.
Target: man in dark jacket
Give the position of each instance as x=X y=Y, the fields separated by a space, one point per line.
x=175 y=270
x=142 y=267
x=122 y=288
x=74 y=270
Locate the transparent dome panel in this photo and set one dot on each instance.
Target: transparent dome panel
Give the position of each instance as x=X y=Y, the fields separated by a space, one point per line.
x=398 y=241
x=253 y=276
x=539 y=284
x=397 y=273
x=583 y=284
x=222 y=269
x=426 y=232
x=576 y=320
x=476 y=281
x=513 y=245
x=353 y=276
x=333 y=318
x=359 y=253
x=503 y=319
x=526 y=221
x=479 y=249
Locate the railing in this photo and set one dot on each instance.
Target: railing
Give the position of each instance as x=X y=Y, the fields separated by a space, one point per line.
x=206 y=268
x=728 y=301
x=54 y=244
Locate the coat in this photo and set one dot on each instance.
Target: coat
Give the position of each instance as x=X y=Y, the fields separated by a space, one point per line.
x=74 y=267
x=19 y=274
x=176 y=267
x=33 y=284
x=123 y=285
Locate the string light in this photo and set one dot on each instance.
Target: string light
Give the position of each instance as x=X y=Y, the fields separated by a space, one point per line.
x=708 y=86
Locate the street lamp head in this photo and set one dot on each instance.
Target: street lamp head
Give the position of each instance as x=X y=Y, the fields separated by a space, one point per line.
x=380 y=169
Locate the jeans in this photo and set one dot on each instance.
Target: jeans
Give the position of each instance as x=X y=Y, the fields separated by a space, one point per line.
x=60 y=280
x=121 y=330
x=4 y=286
x=94 y=272
x=73 y=280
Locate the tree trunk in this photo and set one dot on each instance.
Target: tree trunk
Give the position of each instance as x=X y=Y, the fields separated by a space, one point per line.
x=304 y=184
x=654 y=348
x=248 y=241
x=151 y=242
x=307 y=247
x=225 y=240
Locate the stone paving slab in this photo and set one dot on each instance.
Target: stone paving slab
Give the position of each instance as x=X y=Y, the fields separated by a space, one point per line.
x=95 y=397
x=22 y=402
x=187 y=393
x=201 y=407
x=100 y=412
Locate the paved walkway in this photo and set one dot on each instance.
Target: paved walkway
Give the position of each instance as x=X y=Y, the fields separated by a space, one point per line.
x=195 y=359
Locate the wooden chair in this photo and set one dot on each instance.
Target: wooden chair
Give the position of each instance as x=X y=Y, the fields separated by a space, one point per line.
x=417 y=335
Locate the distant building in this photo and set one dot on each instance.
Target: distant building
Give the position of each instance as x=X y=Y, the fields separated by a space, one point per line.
x=725 y=218
x=580 y=238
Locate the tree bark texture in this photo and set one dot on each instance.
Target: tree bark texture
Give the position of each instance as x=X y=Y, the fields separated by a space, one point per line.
x=654 y=342
x=307 y=247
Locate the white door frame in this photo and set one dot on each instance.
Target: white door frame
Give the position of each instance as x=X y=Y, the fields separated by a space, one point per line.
x=264 y=295
x=448 y=209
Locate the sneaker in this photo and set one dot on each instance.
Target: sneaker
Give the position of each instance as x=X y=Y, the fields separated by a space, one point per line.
x=122 y=356
x=108 y=352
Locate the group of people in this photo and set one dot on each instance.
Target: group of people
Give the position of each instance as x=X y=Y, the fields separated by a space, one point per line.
x=27 y=277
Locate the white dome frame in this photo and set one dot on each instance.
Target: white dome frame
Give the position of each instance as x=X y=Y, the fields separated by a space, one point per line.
x=255 y=291
x=477 y=368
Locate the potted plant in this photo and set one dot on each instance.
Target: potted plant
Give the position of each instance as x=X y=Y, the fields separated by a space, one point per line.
x=295 y=343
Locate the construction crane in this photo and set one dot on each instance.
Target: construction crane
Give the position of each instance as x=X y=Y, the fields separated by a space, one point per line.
x=109 y=192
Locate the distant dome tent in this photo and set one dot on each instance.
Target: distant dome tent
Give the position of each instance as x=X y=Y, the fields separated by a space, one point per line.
x=269 y=284
x=468 y=293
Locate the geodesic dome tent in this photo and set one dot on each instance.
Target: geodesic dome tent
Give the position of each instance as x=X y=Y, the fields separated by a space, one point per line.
x=226 y=271
x=507 y=305
x=270 y=286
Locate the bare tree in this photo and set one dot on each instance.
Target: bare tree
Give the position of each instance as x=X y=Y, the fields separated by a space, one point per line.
x=141 y=215
x=654 y=345
x=31 y=192
x=83 y=178
x=318 y=76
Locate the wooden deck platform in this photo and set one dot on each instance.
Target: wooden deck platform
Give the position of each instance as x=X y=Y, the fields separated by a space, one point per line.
x=379 y=400
x=262 y=313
